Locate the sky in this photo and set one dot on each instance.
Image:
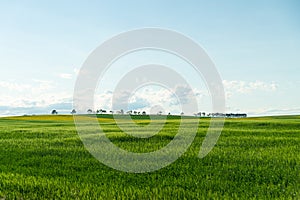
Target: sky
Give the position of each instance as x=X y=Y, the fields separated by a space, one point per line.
x=255 y=46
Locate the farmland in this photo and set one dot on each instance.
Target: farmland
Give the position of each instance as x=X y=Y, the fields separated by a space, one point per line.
x=42 y=157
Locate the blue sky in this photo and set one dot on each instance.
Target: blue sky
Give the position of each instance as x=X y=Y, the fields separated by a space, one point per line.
x=255 y=46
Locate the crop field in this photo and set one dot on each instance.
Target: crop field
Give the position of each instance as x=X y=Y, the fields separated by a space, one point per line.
x=42 y=157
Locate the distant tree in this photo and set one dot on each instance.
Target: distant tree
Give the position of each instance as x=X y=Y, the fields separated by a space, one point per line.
x=89 y=111
x=159 y=112
x=135 y=112
x=144 y=113
x=122 y=111
x=182 y=113
x=73 y=112
x=203 y=113
x=111 y=112
x=169 y=113
x=101 y=111
x=54 y=112
x=139 y=113
x=129 y=112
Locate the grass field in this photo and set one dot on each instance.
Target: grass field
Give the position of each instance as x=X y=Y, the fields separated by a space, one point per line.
x=42 y=157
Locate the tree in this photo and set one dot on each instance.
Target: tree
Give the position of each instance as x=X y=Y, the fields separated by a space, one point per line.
x=159 y=113
x=182 y=113
x=203 y=114
x=144 y=113
x=54 y=112
x=129 y=112
x=111 y=112
x=73 y=112
x=122 y=111
x=89 y=111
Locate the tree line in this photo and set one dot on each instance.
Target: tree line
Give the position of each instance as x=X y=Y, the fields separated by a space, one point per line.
x=133 y=112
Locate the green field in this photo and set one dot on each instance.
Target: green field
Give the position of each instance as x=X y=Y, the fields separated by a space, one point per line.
x=42 y=157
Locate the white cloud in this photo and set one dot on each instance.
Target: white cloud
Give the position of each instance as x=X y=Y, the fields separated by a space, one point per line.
x=260 y=85
x=243 y=87
x=65 y=76
x=277 y=111
x=37 y=86
x=40 y=100
x=147 y=98
x=14 y=86
x=41 y=95
x=42 y=86
x=64 y=107
x=37 y=94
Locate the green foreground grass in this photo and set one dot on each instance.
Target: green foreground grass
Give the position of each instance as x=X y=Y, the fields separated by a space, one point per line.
x=42 y=157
